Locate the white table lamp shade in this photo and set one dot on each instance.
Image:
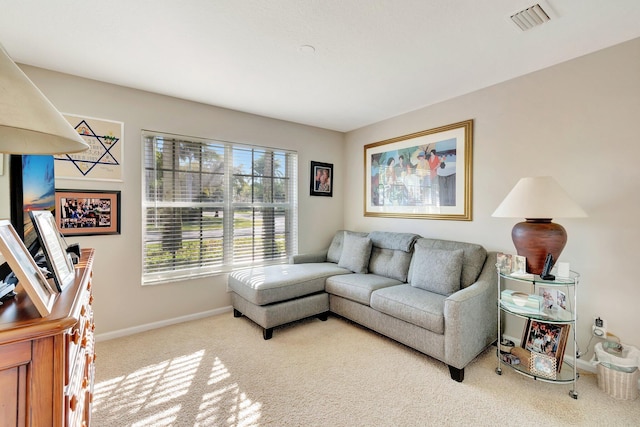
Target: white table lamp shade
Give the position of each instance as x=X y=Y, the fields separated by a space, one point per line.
x=538 y=197
x=29 y=123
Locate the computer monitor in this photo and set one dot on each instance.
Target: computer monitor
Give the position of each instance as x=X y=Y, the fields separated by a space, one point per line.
x=32 y=188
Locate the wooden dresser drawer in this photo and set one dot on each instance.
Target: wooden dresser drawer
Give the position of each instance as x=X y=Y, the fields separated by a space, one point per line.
x=14 y=361
x=79 y=339
x=47 y=363
x=15 y=355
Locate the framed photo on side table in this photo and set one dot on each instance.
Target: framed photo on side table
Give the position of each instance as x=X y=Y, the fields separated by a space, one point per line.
x=542 y=365
x=504 y=263
x=548 y=339
x=26 y=270
x=54 y=248
x=554 y=299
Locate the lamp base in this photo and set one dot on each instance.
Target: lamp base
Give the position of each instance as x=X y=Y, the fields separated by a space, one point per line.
x=535 y=238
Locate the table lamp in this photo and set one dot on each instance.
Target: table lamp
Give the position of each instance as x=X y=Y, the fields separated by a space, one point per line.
x=538 y=200
x=29 y=123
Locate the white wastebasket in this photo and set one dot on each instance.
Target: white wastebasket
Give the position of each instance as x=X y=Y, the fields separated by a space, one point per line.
x=618 y=369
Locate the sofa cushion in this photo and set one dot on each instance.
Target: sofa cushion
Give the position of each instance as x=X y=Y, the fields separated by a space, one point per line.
x=391 y=254
x=335 y=249
x=396 y=241
x=275 y=283
x=356 y=251
x=358 y=287
x=413 y=305
x=390 y=263
x=472 y=260
x=437 y=270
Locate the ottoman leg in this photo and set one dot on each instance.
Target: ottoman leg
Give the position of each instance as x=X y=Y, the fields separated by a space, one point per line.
x=267 y=333
x=236 y=313
x=456 y=373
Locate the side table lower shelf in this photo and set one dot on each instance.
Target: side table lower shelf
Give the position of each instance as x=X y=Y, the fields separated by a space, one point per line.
x=566 y=374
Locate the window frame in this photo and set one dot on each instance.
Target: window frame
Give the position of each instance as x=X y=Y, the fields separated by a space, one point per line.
x=280 y=211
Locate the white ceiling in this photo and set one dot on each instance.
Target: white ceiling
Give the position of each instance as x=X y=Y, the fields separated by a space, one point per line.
x=373 y=59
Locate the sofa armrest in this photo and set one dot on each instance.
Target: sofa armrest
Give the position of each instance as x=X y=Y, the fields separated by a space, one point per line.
x=470 y=317
x=320 y=256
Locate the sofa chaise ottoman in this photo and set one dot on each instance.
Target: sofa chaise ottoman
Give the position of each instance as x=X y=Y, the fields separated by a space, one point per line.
x=278 y=294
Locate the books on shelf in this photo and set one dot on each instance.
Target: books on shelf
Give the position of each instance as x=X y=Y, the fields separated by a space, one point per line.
x=511 y=359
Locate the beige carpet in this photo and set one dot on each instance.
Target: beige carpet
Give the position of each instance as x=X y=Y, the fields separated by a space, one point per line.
x=219 y=371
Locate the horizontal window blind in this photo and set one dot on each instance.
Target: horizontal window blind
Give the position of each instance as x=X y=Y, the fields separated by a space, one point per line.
x=211 y=206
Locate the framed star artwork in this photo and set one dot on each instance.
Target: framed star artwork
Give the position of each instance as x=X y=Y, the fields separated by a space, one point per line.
x=103 y=160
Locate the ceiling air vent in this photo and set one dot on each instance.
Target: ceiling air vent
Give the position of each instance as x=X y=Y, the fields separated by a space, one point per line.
x=530 y=17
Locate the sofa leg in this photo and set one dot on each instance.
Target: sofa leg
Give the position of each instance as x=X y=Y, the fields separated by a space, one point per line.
x=236 y=313
x=456 y=374
x=323 y=316
x=267 y=333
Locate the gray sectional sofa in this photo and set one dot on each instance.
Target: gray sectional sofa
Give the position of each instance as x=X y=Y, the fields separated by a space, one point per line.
x=436 y=296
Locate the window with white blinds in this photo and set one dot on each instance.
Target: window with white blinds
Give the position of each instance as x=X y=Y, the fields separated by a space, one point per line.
x=211 y=206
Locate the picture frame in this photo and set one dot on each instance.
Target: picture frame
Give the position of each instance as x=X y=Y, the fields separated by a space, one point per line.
x=519 y=265
x=54 y=248
x=104 y=160
x=87 y=212
x=553 y=298
x=542 y=365
x=504 y=263
x=321 y=179
x=519 y=268
x=29 y=276
x=546 y=338
x=423 y=175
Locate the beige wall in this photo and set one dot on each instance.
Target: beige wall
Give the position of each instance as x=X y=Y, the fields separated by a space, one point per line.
x=121 y=302
x=576 y=121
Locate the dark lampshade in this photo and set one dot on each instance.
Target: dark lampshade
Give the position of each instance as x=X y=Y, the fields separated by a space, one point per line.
x=538 y=200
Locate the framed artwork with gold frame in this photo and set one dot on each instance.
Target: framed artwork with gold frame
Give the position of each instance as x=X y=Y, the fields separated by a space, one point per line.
x=424 y=175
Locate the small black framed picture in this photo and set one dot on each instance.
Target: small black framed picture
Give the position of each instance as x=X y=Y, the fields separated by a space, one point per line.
x=321 y=179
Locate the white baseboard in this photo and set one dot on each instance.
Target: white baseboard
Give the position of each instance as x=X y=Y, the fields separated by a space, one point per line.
x=155 y=325
x=581 y=364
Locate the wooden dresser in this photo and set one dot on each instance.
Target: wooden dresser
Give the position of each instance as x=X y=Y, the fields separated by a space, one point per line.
x=47 y=363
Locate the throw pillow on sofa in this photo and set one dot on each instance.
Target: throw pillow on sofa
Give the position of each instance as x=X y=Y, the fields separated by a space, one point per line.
x=437 y=270
x=473 y=257
x=335 y=249
x=356 y=251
